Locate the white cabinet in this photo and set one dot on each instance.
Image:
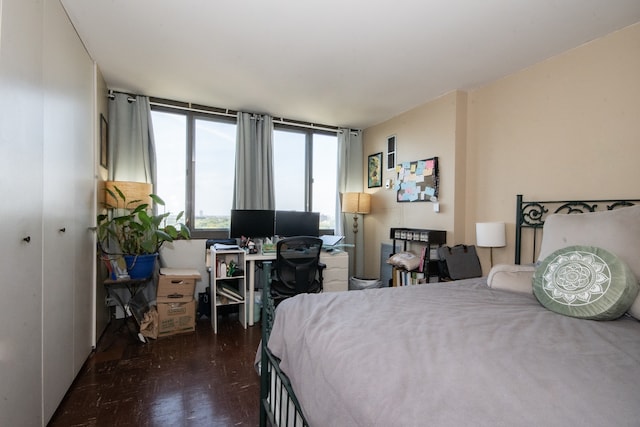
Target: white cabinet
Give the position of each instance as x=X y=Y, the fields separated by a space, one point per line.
x=21 y=213
x=228 y=285
x=335 y=277
x=67 y=208
x=47 y=180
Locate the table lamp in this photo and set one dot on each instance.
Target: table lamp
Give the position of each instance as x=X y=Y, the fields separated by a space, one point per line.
x=490 y=235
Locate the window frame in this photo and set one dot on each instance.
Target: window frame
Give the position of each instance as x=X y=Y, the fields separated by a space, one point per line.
x=308 y=160
x=192 y=113
x=191 y=116
x=309 y=133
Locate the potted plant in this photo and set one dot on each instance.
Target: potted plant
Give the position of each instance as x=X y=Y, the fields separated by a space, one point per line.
x=133 y=232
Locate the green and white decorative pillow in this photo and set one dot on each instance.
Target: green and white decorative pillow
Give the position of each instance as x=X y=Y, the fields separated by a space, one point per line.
x=586 y=282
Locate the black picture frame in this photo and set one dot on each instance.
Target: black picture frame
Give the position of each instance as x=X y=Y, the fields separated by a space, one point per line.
x=104 y=142
x=374 y=170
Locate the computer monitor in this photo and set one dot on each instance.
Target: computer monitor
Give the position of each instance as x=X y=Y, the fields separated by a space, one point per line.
x=296 y=223
x=253 y=223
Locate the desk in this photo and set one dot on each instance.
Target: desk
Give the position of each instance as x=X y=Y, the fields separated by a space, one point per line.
x=336 y=274
x=251 y=272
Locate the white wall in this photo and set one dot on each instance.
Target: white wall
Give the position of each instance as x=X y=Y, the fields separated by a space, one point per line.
x=564 y=128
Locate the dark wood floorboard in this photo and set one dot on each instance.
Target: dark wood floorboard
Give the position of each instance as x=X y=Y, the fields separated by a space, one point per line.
x=192 y=379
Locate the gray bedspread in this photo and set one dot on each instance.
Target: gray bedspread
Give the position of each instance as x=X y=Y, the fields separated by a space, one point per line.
x=455 y=354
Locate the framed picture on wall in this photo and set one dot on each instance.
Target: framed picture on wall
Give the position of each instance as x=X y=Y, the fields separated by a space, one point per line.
x=418 y=181
x=391 y=152
x=104 y=142
x=374 y=170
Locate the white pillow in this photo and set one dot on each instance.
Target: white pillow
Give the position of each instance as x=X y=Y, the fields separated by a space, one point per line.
x=617 y=231
x=512 y=277
x=406 y=260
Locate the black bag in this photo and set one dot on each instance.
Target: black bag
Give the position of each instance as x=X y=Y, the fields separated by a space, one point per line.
x=459 y=262
x=204 y=304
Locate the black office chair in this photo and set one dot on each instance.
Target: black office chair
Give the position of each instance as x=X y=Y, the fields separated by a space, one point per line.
x=297 y=268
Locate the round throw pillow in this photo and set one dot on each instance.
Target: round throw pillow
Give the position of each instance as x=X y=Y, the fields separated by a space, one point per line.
x=586 y=282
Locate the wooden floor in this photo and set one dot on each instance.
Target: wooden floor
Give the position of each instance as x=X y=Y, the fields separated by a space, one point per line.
x=192 y=379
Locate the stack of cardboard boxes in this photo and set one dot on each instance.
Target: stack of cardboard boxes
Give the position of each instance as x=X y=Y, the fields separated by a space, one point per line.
x=175 y=303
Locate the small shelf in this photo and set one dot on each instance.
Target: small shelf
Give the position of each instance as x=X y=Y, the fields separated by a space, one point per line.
x=227 y=289
x=424 y=237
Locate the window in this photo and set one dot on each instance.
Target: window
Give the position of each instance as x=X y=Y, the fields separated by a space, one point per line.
x=210 y=140
x=325 y=178
x=195 y=167
x=215 y=154
x=305 y=172
x=170 y=135
x=289 y=169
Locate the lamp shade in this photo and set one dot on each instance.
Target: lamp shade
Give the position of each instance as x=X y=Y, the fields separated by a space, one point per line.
x=131 y=190
x=490 y=234
x=356 y=203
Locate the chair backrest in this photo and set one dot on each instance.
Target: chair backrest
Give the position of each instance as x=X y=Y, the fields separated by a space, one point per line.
x=297 y=261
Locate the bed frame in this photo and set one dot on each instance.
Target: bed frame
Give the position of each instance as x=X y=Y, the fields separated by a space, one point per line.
x=278 y=403
x=532 y=214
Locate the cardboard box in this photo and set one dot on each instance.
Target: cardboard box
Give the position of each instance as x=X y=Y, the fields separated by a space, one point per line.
x=176 y=317
x=176 y=285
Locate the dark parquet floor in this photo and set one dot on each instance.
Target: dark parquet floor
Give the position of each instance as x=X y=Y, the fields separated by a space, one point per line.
x=192 y=379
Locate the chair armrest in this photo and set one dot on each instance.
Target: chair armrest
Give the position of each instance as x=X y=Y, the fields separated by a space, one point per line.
x=512 y=277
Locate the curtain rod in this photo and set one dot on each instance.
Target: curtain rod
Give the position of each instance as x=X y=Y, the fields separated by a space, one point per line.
x=226 y=112
x=130 y=98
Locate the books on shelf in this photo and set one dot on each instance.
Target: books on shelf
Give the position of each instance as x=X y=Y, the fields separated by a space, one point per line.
x=229 y=292
x=422 y=257
x=403 y=277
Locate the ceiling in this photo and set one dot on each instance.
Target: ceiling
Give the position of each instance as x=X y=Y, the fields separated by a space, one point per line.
x=351 y=63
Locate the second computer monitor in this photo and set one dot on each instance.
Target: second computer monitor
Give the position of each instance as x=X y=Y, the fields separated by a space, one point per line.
x=296 y=223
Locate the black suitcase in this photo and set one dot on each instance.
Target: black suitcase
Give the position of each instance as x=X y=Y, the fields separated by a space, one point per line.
x=459 y=262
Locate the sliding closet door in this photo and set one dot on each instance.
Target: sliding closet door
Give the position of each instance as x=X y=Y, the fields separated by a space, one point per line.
x=21 y=212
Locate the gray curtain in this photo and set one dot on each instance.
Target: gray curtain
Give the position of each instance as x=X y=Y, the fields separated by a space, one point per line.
x=350 y=178
x=131 y=144
x=131 y=151
x=254 y=187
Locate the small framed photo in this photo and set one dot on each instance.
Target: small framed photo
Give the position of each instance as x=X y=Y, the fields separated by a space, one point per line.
x=104 y=142
x=374 y=173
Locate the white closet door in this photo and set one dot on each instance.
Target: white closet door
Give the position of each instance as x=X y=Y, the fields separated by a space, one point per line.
x=21 y=212
x=68 y=182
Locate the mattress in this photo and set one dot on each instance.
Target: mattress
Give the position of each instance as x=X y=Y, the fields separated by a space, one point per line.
x=451 y=354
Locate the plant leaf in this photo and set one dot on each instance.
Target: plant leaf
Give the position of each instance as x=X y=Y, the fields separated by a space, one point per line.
x=157 y=199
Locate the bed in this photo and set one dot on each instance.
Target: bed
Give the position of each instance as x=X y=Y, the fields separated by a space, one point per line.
x=488 y=351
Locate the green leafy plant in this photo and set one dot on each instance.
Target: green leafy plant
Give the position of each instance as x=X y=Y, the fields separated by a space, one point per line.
x=132 y=229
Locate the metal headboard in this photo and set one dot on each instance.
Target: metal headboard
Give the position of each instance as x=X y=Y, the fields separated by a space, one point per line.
x=532 y=214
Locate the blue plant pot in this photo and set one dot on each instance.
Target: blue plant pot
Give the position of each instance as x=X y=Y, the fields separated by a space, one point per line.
x=140 y=266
